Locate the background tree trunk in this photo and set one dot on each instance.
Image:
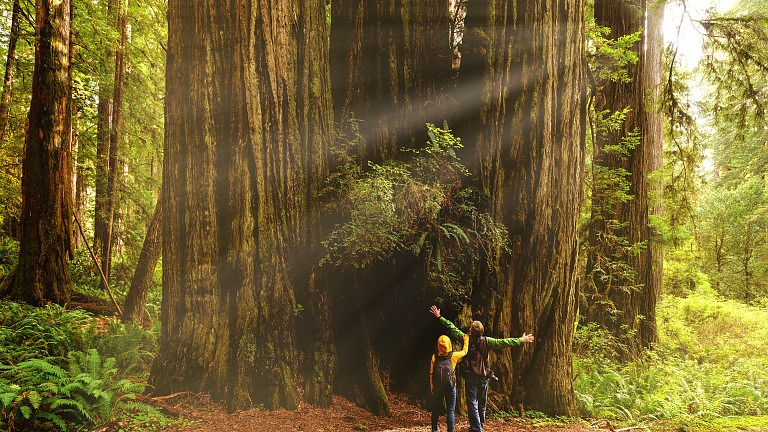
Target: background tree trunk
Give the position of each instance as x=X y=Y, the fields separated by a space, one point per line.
x=523 y=66
x=653 y=139
x=625 y=303
x=236 y=181
x=105 y=171
x=136 y=299
x=10 y=64
x=42 y=274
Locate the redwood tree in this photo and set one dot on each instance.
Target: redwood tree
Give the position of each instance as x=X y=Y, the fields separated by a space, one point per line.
x=523 y=65
x=391 y=73
x=45 y=244
x=247 y=119
x=110 y=109
x=620 y=232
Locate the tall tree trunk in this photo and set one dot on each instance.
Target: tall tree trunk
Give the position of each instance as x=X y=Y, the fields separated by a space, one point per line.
x=391 y=65
x=42 y=274
x=391 y=69
x=136 y=298
x=104 y=199
x=236 y=182
x=10 y=65
x=115 y=167
x=624 y=303
x=653 y=140
x=80 y=198
x=523 y=66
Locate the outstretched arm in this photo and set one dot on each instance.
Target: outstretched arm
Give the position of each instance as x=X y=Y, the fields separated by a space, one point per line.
x=453 y=331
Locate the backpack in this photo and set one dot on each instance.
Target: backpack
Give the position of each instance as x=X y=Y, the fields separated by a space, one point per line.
x=476 y=360
x=442 y=373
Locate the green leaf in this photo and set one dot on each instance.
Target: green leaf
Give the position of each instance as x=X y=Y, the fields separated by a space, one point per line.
x=26 y=411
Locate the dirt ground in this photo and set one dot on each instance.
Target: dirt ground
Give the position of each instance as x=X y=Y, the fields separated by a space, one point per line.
x=342 y=416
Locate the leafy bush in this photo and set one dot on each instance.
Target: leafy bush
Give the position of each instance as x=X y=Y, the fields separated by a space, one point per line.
x=420 y=205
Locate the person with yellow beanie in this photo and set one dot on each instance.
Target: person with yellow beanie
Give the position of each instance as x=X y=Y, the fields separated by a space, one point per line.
x=442 y=380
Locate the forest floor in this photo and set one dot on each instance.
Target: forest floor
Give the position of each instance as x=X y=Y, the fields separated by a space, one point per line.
x=202 y=415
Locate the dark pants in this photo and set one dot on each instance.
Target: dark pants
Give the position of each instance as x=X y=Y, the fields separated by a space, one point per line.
x=449 y=397
x=477 y=395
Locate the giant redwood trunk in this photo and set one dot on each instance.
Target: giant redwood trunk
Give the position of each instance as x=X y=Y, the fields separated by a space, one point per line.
x=391 y=69
x=45 y=245
x=523 y=66
x=391 y=66
x=624 y=302
x=245 y=82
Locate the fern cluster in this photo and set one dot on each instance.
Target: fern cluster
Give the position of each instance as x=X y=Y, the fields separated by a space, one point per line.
x=39 y=395
x=708 y=369
x=67 y=370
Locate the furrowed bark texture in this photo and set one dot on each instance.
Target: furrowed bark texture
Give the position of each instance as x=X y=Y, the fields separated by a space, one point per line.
x=42 y=274
x=625 y=304
x=236 y=185
x=523 y=65
x=391 y=66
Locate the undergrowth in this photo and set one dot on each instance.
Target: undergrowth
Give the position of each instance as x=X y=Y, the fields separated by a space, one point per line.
x=708 y=371
x=68 y=370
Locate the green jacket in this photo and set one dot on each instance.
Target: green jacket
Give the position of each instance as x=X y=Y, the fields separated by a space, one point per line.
x=493 y=343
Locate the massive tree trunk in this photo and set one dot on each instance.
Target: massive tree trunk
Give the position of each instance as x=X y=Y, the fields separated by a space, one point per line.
x=523 y=66
x=245 y=79
x=391 y=69
x=624 y=303
x=42 y=274
x=391 y=66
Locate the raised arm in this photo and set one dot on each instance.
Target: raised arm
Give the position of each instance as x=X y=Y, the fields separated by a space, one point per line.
x=453 y=331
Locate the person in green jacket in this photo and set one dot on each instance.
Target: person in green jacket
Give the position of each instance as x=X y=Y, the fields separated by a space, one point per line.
x=476 y=385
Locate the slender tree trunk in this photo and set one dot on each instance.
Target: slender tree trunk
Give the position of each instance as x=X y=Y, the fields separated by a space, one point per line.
x=523 y=66
x=236 y=180
x=104 y=199
x=136 y=299
x=115 y=166
x=42 y=274
x=10 y=65
x=80 y=198
x=653 y=140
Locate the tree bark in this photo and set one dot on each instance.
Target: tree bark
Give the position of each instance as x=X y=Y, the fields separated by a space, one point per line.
x=136 y=299
x=107 y=145
x=236 y=182
x=45 y=246
x=10 y=65
x=625 y=303
x=391 y=66
x=523 y=66
x=391 y=72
